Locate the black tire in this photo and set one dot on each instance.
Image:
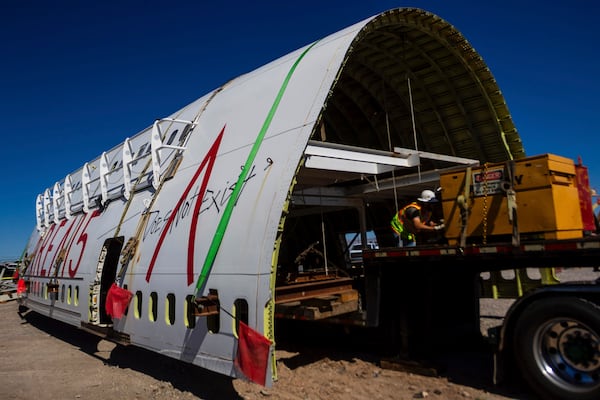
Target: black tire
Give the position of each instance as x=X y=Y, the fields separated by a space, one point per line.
x=557 y=348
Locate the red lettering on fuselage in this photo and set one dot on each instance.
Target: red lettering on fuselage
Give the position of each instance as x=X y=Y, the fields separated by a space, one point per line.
x=206 y=165
x=44 y=249
x=83 y=240
x=71 y=240
x=60 y=246
x=33 y=256
x=46 y=246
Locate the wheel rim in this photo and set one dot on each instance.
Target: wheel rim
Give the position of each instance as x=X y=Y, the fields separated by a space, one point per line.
x=568 y=354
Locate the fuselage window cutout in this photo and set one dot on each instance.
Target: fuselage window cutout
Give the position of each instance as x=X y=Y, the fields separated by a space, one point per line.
x=188 y=312
x=213 y=321
x=170 y=309
x=69 y=294
x=127 y=309
x=137 y=304
x=240 y=310
x=76 y=296
x=46 y=291
x=62 y=294
x=153 y=307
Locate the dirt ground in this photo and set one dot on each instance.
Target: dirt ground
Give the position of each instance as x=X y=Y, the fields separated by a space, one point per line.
x=45 y=359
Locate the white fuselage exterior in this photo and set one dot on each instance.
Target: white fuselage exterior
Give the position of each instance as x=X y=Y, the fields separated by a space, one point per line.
x=263 y=120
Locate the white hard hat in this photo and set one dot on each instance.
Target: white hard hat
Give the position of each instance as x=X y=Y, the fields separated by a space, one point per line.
x=427 y=196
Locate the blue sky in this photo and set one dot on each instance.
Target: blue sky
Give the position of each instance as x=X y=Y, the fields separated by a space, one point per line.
x=78 y=77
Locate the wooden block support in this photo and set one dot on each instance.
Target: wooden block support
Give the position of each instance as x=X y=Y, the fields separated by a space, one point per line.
x=316 y=308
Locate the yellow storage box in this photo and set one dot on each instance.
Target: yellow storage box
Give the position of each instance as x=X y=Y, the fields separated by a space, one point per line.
x=546 y=197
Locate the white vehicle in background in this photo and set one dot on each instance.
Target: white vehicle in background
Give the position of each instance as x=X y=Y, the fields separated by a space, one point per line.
x=356 y=251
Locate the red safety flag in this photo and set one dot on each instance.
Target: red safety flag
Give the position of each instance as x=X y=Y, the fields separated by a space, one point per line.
x=252 y=354
x=117 y=301
x=21 y=286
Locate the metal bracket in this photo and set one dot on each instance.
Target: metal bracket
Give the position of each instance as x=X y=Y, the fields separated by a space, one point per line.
x=85 y=190
x=67 y=190
x=156 y=144
x=104 y=172
x=56 y=196
x=39 y=212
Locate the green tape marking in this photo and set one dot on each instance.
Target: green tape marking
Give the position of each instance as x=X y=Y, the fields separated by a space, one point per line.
x=224 y=222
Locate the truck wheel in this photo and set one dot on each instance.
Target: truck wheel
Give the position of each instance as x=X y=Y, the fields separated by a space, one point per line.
x=557 y=348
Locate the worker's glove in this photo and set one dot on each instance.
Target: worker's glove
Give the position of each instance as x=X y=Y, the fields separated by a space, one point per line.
x=439 y=227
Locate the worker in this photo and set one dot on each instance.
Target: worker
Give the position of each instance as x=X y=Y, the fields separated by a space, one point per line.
x=415 y=217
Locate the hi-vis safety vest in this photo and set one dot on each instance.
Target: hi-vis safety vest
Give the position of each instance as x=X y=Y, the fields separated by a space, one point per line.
x=402 y=225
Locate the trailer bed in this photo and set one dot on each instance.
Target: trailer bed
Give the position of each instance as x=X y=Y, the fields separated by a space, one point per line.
x=564 y=253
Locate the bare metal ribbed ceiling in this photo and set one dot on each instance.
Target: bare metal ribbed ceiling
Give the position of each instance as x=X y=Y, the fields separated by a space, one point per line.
x=457 y=106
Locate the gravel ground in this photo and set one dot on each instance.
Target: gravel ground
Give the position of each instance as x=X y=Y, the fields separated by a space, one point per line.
x=45 y=359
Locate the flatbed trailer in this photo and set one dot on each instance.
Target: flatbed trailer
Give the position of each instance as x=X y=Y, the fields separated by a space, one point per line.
x=424 y=302
x=428 y=298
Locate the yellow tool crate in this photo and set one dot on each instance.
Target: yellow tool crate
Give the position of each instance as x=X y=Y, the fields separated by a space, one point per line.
x=546 y=197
